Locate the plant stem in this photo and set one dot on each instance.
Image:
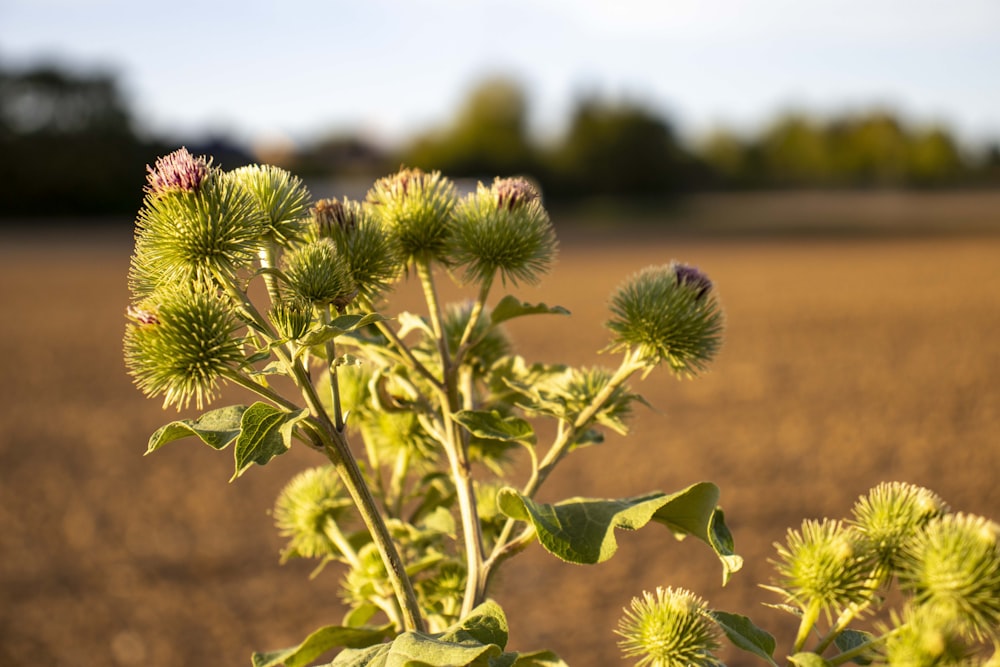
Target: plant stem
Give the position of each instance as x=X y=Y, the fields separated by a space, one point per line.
x=470 y=326
x=339 y=453
x=455 y=446
x=809 y=617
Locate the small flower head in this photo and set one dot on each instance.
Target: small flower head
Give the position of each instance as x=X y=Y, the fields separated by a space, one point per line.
x=201 y=235
x=668 y=314
x=669 y=628
x=177 y=172
x=315 y=272
x=363 y=241
x=892 y=514
x=305 y=509
x=291 y=318
x=416 y=207
x=824 y=565
x=504 y=229
x=281 y=198
x=953 y=567
x=179 y=344
x=924 y=636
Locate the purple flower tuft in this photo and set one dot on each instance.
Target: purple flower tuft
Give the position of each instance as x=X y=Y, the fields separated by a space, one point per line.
x=514 y=192
x=177 y=172
x=692 y=277
x=330 y=213
x=142 y=316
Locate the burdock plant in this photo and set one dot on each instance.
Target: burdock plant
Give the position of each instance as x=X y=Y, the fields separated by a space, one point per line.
x=416 y=417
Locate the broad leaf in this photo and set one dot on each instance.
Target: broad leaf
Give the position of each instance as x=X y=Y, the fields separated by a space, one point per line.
x=539 y=659
x=485 y=624
x=265 y=432
x=216 y=428
x=338 y=327
x=510 y=307
x=742 y=632
x=581 y=530
x=321 y=641
x=849 y=640
x=491 y=426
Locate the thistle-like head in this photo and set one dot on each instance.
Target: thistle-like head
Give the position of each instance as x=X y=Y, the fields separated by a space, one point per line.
x=668 y=314
x=669 y=628
x=892 y=514
x=305 y=509
x=824 y=565
x=952 y=566
x=504 y=229
x=180 y=343
x=416 y=207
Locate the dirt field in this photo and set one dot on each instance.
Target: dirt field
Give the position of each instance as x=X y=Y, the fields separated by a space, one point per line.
x=847 y=362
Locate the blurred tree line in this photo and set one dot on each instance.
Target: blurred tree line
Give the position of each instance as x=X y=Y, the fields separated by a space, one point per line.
x=625 y=149
x=68 y=147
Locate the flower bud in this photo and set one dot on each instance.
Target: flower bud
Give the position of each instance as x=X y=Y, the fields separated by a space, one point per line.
x=362 y=240
x=953 y=567
x=316 y=273
x=668 y=314
x=890 y=515
x=179 y=344
x=669 y=628
x=824 y=564
x=304 y=510
x=177 y=172
x=416 y=207
x=281 y=198
x=199 y=234
x=505 y=230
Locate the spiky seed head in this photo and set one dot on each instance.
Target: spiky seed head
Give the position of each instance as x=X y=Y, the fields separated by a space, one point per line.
x=953 y=567
x=305 y=509
x=180 y=343
x=281 y=198
x=416 y=208
x=890 y=515
x=825 y=564
x=669 y=628
x=292 y=318
x=668 y=314
x=316 y=272
x=177 y=172
x=199 y=236
x=924 y=636
x=364 y=242
x=504 y=229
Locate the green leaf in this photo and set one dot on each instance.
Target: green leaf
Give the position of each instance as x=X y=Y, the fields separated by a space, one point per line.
x=848 y=640
x=486 y=624
x=216 y=428
x=581 y=530
x=491 y=426
x=742 y=632
x=265 y=432
x=510 y=307
x=338 y=327
x=321 y=641
x=273 y=368
x=806 y=659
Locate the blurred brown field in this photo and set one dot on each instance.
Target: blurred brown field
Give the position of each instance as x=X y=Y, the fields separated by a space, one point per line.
x=848 y=360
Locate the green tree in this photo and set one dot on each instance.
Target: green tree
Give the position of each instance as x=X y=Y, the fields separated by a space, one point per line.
x=489 y=135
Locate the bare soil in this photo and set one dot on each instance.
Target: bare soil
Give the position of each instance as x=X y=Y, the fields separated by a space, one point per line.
x=848 y=361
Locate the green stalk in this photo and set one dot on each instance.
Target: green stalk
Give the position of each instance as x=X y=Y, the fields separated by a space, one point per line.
x=470 y=326
x=339 y=453
x=809 y=617
x=455 y=446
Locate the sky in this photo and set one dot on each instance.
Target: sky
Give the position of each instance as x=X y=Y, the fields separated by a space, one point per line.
x=267 y=71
